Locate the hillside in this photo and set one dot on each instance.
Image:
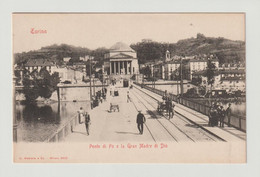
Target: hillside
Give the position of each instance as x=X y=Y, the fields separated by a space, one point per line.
x=58 y=52
x=226 y=50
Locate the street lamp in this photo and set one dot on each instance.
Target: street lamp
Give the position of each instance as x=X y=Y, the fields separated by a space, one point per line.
x=90 y=90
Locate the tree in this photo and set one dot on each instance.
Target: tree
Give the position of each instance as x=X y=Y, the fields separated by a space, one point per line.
x=191 y=93
x=210 y=74
x=146 y=71
x=40 y=84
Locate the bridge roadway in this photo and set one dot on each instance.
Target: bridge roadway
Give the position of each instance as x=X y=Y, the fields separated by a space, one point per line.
x=186 y=126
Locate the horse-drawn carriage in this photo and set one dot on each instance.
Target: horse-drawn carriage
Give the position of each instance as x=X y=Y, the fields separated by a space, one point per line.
x=114 y=104
x=114 y=107
x=162 y=106
x=166 y=105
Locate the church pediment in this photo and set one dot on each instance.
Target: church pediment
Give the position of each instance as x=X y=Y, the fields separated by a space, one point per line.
x=121 y=55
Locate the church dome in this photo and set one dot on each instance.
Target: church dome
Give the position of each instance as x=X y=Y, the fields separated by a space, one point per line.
x=120 y=46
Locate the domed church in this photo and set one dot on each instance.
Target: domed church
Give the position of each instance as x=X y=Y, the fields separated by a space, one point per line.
x=121 y=60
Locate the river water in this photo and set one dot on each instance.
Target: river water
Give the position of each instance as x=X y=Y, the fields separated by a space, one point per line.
x=36 y=122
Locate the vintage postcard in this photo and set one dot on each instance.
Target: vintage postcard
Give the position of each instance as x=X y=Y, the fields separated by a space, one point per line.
x=129 y=88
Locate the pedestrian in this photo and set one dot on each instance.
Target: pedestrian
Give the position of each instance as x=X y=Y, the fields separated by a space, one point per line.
x=128 y=97
x=171 y=109
x=165 y=95
x=81 y=114
x=178 y=99
x=219 y=112
x=211 y=115
x=222 y=116
x=228 y=113
x=87 y=122
x=140 y=121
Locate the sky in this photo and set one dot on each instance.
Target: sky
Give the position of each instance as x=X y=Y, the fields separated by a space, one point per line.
x=104 y=30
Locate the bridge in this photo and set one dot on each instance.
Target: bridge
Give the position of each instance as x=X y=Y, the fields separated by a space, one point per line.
x=189 y=123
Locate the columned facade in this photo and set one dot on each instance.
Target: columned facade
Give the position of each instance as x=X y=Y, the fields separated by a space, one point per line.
x=121 y=67
x=122 y=60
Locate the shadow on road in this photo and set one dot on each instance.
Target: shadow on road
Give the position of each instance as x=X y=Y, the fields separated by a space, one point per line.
x=128 y=133
x=191 y=125
x=153 y=114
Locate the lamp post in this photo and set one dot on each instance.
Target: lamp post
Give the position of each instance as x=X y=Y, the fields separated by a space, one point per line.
x=153 y=78
x=90 y=90
x=15 y=125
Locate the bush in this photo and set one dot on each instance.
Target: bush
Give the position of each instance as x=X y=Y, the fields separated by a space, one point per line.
x=191 y=93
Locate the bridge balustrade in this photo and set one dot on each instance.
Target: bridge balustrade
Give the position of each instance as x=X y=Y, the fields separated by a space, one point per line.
x=236 y=121
x=65 y=130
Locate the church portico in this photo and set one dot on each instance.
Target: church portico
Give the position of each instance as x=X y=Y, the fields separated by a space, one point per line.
x=121 y=60
x=121 y=67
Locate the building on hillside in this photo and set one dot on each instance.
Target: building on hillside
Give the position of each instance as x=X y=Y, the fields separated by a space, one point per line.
x=158 y=70
x=231 y=66
x=171 y=67
x=200 y=65
x=229 y=80
x=73 y=73
x=121 y=61
x=38 y=64
x=196 y=65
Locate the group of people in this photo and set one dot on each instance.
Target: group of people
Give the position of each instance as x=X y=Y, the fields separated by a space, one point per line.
x=84 y=117
x=217 y=114
x=100 y=96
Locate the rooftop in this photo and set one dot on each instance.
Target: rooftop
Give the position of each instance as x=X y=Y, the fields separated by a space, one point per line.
x=39 y=62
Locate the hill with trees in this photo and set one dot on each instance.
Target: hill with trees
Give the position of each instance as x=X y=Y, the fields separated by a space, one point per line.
x=56 y=53
x=227 y=51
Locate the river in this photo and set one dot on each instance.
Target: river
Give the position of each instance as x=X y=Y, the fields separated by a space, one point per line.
x=36 y=122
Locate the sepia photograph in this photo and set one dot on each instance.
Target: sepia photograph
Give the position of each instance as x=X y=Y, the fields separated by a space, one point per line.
x=129 y=88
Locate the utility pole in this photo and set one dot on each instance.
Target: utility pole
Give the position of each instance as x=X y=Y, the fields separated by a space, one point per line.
x=153 y=78
x=94 y=86
x=90 y=90
x=177 y=79
x=181 y=80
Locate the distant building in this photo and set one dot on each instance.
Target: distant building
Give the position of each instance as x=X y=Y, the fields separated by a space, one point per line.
x=229 y=80
x=121 y=60
x=171 y=67
x=200 y=65
x=66 y=59
x=229 y=66
x=158 y=70
x=38 y=64
x=197 y=65
x=73 y=73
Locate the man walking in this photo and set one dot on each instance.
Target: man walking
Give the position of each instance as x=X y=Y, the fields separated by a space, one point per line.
x=87 y=122
x=140 y=122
